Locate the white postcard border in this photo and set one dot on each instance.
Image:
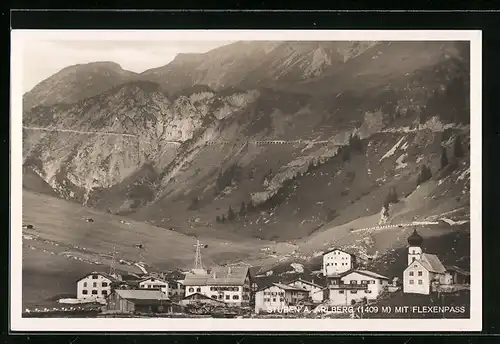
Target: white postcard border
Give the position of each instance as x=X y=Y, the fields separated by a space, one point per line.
x=17 y=323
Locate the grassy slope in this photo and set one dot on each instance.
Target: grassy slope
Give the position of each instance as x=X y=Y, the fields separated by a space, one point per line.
x=64 y=223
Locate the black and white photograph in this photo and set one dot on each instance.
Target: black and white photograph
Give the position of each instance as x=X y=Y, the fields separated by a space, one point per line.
x=246 y=180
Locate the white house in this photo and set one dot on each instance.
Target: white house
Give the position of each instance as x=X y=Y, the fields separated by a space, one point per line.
x=423 y=270
x=228 y=284
x=356 y=285
x=277 y=296
x=336 y=262
x=154 y=283
x=95 y=286
x=176 y=289
x=315 y=291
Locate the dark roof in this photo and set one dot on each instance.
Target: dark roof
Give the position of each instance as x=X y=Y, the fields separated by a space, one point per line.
x=141 y=294
x=306 y=282
x=103 y=274
x=432 y=263
x=457 y=269
x=152 y=277
x=202 y=296
x=348 y=251
x=415 y=239
x=282 y=286
x=219 y=276
x=366 y=273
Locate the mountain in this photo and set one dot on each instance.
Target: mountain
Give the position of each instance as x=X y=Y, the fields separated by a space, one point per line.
x=254 y=64
x=344 y=124
x=75 y=83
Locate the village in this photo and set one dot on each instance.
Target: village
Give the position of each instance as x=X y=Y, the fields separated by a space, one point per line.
x=341 y=288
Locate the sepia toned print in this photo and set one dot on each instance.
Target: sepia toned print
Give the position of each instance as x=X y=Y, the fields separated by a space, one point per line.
x=241 y=182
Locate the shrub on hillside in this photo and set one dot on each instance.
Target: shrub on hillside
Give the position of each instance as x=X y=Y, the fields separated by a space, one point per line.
x=392 y=196
x=243 y=209
x=194 y=204
x=458 y=150
x=346 y=153
x=425 y=175
x=230 y=214
x=227 y=177
x=444 y=158
x=355 y=143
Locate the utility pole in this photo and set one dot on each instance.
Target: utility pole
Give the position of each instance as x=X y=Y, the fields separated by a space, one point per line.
x=112 y=270
x=197 y=258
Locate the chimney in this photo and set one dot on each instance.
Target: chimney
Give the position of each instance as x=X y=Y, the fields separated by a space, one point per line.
x=213 y=275
x=229 y=271
x=312 y=281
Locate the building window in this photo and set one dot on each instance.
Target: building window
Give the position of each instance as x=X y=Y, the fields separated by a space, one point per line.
x=354 y=282
x=212 y=288
x=214 y=296
x=104 y=284
x=335 y=264
x=420 y=273
x=364 y=282
x=274 y=299
x=94 y=292
x=368 y=291
x=420 y=282
x=191 y=290
x=104 y=292
x=411 y=273
x=236 y=297
x=341 y=292
x=220 y=297
x=354 y=291
x=85 y=291
x=415 y=266
x=84 y=284
x=198 y=290
x=94 y=276
x=411 y=282
x=227 y=297
x=94 y=284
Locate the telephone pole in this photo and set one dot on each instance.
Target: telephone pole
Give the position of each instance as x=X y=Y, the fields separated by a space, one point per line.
x=197 y=258
x=112 y=270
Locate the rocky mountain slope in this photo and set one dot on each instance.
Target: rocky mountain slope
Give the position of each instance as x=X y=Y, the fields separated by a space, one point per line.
x=77 y=82
x=254 y=64
x=309 y=137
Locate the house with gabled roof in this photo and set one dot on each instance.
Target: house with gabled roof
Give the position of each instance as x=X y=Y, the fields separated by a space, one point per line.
x=139 y=301
x=277 y=296
x=337 y=261
x=424 y=269
x=95 y=286
x=228 y=284
x=314 y=289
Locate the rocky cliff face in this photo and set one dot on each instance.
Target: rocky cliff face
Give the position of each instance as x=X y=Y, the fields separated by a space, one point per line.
x=183 y=147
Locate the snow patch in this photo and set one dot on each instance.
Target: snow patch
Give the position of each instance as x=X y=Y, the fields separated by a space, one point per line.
x=463 y=174
x=392 y=150
x=400 y=163
x=454 y=223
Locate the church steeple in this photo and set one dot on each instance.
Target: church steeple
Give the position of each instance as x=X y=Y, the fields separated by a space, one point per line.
x=415 y=239
x=415 y=247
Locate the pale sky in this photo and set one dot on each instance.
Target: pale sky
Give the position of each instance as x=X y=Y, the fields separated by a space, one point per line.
x=45 y=58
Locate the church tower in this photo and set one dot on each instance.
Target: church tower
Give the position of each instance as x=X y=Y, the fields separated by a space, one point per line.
x=415 y=247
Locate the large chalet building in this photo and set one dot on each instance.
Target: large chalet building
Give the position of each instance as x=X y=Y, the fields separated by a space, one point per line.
x=277 y=296
x=337 y=261
x=95 y=286
x=228 y=284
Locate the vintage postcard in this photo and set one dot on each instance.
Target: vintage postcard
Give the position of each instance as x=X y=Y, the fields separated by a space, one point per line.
x=246 y=181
